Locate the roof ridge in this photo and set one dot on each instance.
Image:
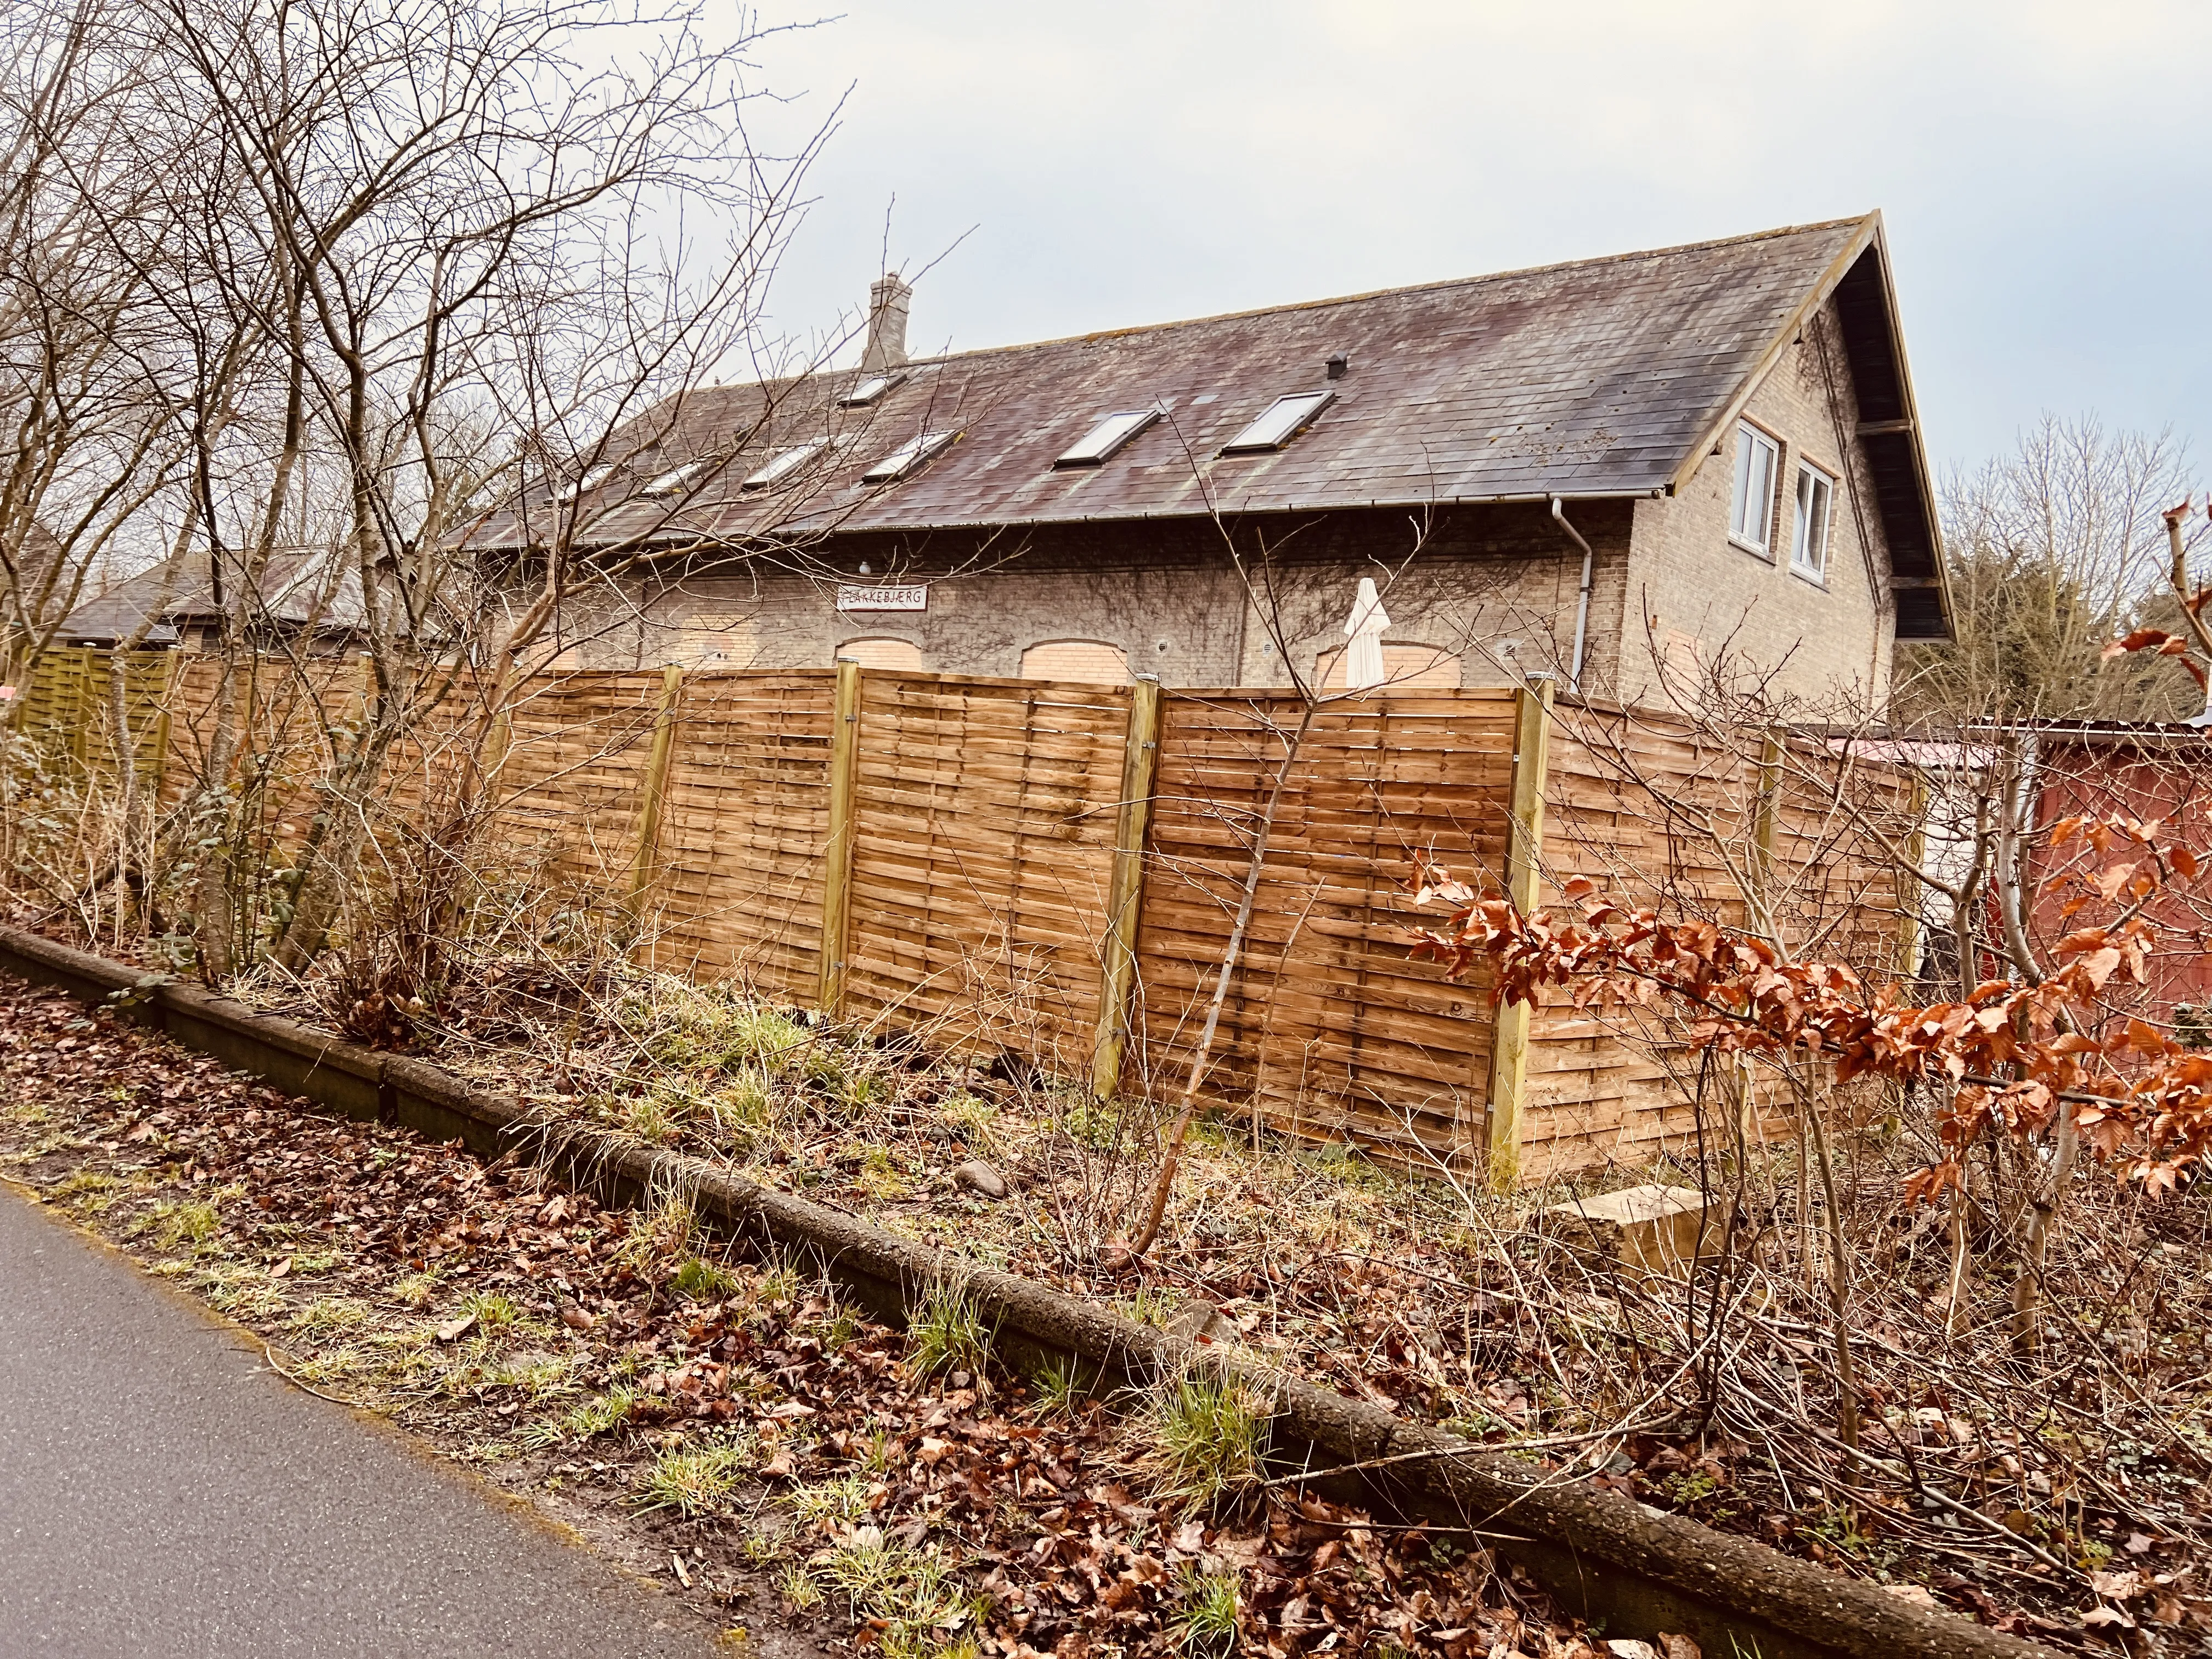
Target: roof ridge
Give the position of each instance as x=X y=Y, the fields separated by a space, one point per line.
x=1435 y=285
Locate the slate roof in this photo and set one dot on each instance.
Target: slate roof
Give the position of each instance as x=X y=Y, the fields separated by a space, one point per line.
x=296 y=587
x=1602 y=378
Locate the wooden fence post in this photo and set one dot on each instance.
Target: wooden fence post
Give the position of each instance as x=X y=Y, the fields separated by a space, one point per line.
x=644 y=865
x=87 y=706
x=1767 y=811
x=838 y=854
x=1508 y=1037
x=1117 y=979
x=1910 y=895
x=165 y=688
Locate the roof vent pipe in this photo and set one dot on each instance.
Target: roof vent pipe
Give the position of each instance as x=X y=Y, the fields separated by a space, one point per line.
x=1582 y=605
x=888 y=300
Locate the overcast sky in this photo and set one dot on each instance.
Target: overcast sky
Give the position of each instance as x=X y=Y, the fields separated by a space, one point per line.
x=2043 y=167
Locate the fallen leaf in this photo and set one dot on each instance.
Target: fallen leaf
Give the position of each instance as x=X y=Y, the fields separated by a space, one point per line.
x=577 y=1320
x=454 y=1330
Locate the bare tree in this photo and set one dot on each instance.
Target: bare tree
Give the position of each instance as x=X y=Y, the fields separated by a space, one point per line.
x=402 y=259
x=89 y=439
x=2055 y=550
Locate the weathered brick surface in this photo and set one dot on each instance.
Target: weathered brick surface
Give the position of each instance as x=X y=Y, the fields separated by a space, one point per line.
x=1494 y=587
x=1693 y=591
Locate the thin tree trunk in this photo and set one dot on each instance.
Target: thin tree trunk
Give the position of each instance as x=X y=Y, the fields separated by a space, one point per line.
x=1847 y=1419
x=216 y=933
x=126 y=781
x=2035 y=1237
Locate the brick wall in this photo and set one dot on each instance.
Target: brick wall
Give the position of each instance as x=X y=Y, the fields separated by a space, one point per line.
x=1497 y=587
x=1492 y=587
x=1693 y=597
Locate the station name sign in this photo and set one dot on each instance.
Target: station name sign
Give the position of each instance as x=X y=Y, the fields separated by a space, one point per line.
x=906 y=596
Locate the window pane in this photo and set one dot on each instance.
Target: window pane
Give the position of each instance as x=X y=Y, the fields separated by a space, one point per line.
x=1108 y=436
x=1808 y=542
x=1760 y=483
x=786 y=463
x=869 y=389
x=1279 y=423
x=593 y=477
x=907 y=457
x=676 y=478
x=1739 y=507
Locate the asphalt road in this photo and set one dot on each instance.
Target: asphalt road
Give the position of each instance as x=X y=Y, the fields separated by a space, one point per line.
x=162 y=1493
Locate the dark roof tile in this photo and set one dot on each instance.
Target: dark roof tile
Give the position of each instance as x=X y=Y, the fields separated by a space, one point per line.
x=1596 y=377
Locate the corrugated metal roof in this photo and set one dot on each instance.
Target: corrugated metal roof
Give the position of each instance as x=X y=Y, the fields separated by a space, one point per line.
x=1596 y=378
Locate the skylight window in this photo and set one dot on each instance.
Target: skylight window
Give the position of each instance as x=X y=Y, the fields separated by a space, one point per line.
x=591 y=479
x=1096 y=446
x=677 y=478
x=785 y=464
x=869 y=391
x=1282 y=420
x=907 y=457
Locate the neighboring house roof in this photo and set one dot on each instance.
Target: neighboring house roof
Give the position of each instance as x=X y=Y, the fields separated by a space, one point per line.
x=1602 y=378
x=298 y=590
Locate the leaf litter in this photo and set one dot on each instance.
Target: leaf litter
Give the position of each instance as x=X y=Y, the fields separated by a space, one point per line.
x=776 y=1458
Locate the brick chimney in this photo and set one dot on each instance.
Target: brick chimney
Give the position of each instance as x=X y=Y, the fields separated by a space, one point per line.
x=888 y=300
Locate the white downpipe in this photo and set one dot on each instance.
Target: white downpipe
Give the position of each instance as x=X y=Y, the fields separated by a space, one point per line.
x=1582 y=605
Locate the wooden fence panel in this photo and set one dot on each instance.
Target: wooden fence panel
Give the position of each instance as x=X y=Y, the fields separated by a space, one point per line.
x=984 y=817
x=1329 y=1027
x=1594 y=1097
x=743 y=825
x=1692 y=820
x=984 y=814
x=567 y=787
x=69 y=707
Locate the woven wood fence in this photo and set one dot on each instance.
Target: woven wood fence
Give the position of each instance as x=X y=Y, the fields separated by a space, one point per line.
x=1053 y=870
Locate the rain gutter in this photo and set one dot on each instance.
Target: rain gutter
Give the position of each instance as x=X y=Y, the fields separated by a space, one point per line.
x=1582 y=605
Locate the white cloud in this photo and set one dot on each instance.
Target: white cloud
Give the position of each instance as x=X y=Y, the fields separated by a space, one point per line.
x=2043 y=165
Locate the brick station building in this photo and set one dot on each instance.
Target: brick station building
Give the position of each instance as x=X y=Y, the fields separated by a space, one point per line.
x=1677 y=457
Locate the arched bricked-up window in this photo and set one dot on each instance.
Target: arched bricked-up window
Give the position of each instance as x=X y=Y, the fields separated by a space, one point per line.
x=883 y=652
x=1091 y=660
x=1404 y=668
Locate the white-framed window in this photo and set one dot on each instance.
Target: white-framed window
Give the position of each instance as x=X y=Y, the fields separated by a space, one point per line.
x=1098 y=445
x=590 y=478
x=678 y=479
x=786 y=462
x=1751 y=508
x=908 y=456
x=1809 y=535
x=1280 y=423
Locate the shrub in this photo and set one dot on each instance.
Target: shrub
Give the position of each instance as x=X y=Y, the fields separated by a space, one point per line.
x=1206 y=1627
x=703 y=1281
x=695 y=1483
x=1209 y=1437
x=946 y=1332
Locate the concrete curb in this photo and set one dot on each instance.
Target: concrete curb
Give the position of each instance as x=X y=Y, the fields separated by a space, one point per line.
x=1599 y=1553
